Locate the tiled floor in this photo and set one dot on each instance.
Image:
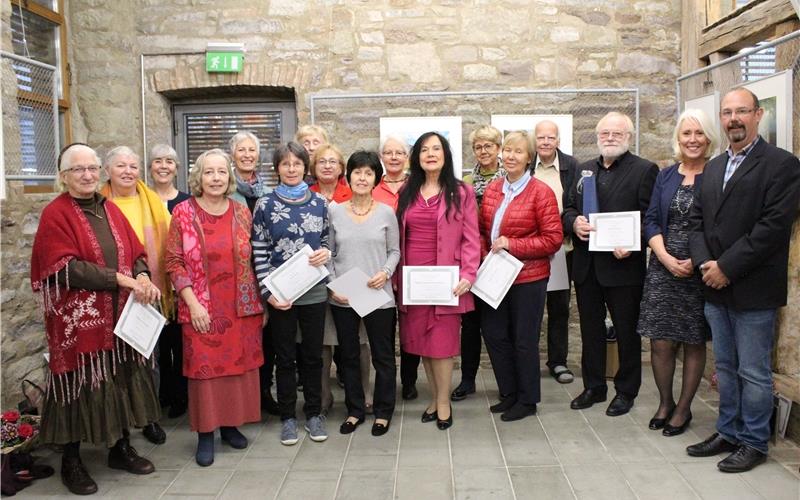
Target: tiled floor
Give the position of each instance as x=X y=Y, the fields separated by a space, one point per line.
x=558 y=454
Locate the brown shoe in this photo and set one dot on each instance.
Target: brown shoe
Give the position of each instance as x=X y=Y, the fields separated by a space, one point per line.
x=76 y=478
x=123 y=456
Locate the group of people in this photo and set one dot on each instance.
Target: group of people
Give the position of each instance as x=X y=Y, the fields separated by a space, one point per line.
x=718 y=232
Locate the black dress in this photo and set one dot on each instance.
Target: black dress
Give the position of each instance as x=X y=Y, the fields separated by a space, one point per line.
x=672 y=307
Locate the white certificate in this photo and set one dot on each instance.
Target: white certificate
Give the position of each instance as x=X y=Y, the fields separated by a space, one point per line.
x=615 y=230
x=495 y=277
x=139 y=326
x=295 y=276
x=559 y=278
x=363 y=299
x=430 y=285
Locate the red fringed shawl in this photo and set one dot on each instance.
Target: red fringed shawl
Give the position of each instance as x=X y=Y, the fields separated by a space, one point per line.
x=79 y=322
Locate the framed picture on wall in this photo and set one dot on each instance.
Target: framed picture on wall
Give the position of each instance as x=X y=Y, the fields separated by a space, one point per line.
x=775 y=96
x=709 y=104
x=410 y=128
x=510 y=123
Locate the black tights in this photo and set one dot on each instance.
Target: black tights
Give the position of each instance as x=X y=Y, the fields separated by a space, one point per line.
x=663 y=354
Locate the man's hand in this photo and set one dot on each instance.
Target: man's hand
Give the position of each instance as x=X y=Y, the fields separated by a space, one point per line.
x=581 y=228
x=713 y=275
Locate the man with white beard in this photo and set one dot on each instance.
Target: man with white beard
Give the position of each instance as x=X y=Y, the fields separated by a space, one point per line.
x=616 y=181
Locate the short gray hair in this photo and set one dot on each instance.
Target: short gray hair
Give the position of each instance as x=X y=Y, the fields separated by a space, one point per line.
x=396 y=138
x=709 y=130
x=120 y=151
x=66 y=160
x=617 y=114
x=196 y=173
x=164 y=151
x=241 y=136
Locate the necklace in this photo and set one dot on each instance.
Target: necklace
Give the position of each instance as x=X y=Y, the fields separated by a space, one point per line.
x=365 y=212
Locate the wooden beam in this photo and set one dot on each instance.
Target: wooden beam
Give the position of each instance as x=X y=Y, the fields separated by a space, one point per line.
x=745 y=27
x=796 y=5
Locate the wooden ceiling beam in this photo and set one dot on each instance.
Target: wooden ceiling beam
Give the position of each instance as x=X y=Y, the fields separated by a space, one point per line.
x=746 y=26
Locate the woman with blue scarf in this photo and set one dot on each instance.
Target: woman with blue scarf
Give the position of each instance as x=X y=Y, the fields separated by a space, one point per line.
x=284 y=221
x=245 y=149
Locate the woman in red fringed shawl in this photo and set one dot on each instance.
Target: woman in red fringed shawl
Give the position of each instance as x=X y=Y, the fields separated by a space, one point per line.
x=208 y=260
x=86 y=261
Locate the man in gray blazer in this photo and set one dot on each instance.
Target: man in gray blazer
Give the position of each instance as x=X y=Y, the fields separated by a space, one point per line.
x=741 y=226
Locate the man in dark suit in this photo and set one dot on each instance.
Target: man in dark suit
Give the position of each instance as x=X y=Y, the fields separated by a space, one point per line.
x=741 y=225
x=556 y=169
x=617 y=181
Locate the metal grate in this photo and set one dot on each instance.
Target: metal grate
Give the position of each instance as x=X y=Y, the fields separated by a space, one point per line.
x=213 y=130
x=758 y=65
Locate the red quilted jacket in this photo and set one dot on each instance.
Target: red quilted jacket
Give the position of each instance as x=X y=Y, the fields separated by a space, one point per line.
x=531 y=223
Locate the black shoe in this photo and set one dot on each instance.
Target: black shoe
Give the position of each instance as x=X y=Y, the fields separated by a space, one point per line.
x=410 y=392
x=674 y=430
x=714 y=445
x=76 y=478
x=620 y=405
x=429 y=417
x=587 y=398
x=505 y=404
x=742 y=460
x=518 y=412
x=233 y=437
x=123 y=456
x=462 y=391
x=659 y=423
x=445 y=424
x=154 y=433
x=176 y=409
x=380 y=429
x=268 y=404
x=347 y=426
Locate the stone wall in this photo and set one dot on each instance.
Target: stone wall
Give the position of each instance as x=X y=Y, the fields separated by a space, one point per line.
x=326 y=46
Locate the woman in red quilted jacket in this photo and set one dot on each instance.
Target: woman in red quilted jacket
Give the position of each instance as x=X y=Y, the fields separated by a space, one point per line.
x=520 y=215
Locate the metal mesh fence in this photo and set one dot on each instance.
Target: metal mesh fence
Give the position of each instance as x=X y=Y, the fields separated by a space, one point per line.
x=771 y=71
x=353 y=121
x=30 y=118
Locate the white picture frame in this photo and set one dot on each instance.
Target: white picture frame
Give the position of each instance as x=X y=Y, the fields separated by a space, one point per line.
x=709 y=104
x=410 y=128
x=775 y=96
x=509 y=123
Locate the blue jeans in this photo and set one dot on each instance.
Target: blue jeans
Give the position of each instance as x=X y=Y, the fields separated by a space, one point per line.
x=742 y=342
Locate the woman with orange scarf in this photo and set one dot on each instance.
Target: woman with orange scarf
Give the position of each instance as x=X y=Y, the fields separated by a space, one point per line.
x=149 y=219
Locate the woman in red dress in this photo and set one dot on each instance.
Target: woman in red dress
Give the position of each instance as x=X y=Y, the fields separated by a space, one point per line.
x=208 y=258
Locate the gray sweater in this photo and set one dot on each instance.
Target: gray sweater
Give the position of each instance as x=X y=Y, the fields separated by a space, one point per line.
x=371 y=245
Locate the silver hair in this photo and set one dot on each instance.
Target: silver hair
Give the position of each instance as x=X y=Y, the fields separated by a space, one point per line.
x=120 y=151
x=396 y=138
x=241 y=136
x=164 y=151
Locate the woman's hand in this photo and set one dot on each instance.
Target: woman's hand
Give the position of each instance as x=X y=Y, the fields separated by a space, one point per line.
x=151 y=292
x=277 y=304
x=143 y=289
x=201 y=321
x=378 y=280
x=620 y=254
x=462 y=287
x=680 y=268
x=319 y=257
x=339 y=298
x=500 y=244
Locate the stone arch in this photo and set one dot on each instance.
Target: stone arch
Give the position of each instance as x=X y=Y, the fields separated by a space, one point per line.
x=183 y=77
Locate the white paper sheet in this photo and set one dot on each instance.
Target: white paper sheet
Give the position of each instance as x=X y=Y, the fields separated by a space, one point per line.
x=430 y=285
x=559 y=278
x=615 y=230
x=363 y=299
x=139 y=326
x=495 y=277
x=295 y=276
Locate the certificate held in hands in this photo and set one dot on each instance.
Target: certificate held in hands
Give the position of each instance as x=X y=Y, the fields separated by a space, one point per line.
x=139 y=326
x=295 y=276
x=430 y=285
x=615 y=230
x=495 y=277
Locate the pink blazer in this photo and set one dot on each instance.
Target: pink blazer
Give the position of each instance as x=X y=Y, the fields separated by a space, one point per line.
x=458 y=245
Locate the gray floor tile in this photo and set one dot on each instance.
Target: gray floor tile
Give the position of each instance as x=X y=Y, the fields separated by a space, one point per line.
x=309 y=484
x=366 y=485
x=657 y=482
x=773 y=481
x=598 y=482
x=433 y=483
x=244 y=485
x=711 y=484
x=480 y=483
x=540 y=483
x=207 y=481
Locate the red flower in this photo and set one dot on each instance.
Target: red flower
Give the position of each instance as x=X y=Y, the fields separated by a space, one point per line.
x=11 y=416
x=25 y=431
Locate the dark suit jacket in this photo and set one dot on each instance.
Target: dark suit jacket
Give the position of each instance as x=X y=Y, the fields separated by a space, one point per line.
x=667 y=183
x=567 y=165
x=746 y=228
x=631 y=190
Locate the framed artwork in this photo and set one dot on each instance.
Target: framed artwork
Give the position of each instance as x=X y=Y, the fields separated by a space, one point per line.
x=775 y=96
x=709 y=104
x=410 y=128
x=510 y=123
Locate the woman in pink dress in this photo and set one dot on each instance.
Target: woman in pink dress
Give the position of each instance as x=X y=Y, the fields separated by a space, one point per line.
x=438 y=220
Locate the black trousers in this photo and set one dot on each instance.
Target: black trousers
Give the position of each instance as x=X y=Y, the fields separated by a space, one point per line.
x=283 y=324
x=511 y=333
x=471 y=342
x=174 y=387
x=623 y=304
x=265 y=372
x=558 y=323
x=380 y=332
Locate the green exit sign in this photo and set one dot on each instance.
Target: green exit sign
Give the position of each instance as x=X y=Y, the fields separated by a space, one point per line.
x=224 y=62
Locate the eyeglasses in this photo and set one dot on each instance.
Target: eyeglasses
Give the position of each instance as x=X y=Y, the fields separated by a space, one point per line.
x=729 y=113
x=614 y=134
x=391 y=154
x=484 y=147
x=80 y=169
x=333 y=162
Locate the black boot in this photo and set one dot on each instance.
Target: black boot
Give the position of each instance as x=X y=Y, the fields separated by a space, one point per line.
x=76 y=478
